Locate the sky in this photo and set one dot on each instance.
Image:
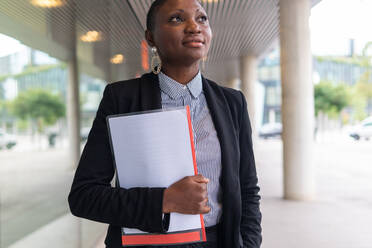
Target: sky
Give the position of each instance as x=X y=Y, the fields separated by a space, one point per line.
x=9 y=45
x=333 y=23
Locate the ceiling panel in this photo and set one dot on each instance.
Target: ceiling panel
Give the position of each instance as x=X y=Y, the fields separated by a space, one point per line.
x=240 y=27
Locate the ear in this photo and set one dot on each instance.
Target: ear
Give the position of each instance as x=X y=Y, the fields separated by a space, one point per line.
x=149 y=38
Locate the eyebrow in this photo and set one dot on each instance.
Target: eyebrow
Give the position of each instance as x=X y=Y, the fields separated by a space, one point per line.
x=198 y=10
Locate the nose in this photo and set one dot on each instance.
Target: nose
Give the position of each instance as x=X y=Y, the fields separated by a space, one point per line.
x=192 y=27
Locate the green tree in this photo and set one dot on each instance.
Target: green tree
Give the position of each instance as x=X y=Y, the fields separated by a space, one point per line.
x=361 y=92
x=330 y=99
x=2 y=111
x=40 y=106
x=358 y=95
x=366 y=48
x=5 y=116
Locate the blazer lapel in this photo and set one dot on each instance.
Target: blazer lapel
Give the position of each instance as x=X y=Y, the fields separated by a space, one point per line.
x=150 y=92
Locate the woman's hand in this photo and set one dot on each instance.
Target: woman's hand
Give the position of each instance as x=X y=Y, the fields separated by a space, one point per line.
x=187 y=196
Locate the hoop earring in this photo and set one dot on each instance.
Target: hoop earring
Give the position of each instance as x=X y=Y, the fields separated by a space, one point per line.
x=156 y=68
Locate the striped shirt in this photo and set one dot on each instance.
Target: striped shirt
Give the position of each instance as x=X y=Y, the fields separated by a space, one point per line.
x=207 y=145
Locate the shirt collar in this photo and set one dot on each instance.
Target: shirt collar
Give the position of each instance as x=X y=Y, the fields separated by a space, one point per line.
x=175 y=89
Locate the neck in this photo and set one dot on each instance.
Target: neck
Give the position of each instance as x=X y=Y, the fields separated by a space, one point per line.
x=182 y=74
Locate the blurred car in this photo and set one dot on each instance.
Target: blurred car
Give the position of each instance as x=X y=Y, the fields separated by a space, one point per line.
x=269 y=130
x=7 y=140
x=363 y=130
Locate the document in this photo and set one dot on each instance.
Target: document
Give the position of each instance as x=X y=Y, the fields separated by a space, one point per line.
x=156 y=149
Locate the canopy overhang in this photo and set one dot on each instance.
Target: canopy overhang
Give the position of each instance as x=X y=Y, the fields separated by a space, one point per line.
x=240 y=27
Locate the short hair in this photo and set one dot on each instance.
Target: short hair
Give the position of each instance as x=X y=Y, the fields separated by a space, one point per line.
x=151 y=14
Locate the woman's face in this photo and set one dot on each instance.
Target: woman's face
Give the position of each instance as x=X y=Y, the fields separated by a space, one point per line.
x=182 y=33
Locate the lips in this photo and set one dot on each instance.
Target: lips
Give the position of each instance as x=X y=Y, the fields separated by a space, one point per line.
x=193 y=42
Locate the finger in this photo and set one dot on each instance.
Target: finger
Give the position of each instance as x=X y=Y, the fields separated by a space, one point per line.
x=205 y=210
x=200 y=179
x=205 y=201
x=204 y=189
x=201 y=187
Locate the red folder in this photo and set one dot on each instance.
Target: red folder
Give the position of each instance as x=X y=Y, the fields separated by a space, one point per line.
x=170 y=238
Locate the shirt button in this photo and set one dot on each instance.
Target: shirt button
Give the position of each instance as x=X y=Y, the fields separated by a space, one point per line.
x=184 y=87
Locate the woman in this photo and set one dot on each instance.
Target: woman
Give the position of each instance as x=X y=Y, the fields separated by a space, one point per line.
x=179 y=31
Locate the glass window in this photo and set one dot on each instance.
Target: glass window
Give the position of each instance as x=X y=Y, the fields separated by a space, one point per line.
x=35 y=171
x=273 y=96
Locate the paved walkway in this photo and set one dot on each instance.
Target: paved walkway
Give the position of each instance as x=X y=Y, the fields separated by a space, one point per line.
x=340 y=217
x=33 y=202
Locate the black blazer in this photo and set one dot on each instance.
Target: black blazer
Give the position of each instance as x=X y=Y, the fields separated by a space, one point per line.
x=92 y=196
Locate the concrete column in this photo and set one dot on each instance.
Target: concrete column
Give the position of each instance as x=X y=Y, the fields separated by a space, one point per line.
x=297 y=99
x=248 y=77
x=233 y=83
x=73 y=108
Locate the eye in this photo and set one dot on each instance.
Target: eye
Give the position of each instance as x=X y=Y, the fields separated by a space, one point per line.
x=203 y=18
x=175 y=18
